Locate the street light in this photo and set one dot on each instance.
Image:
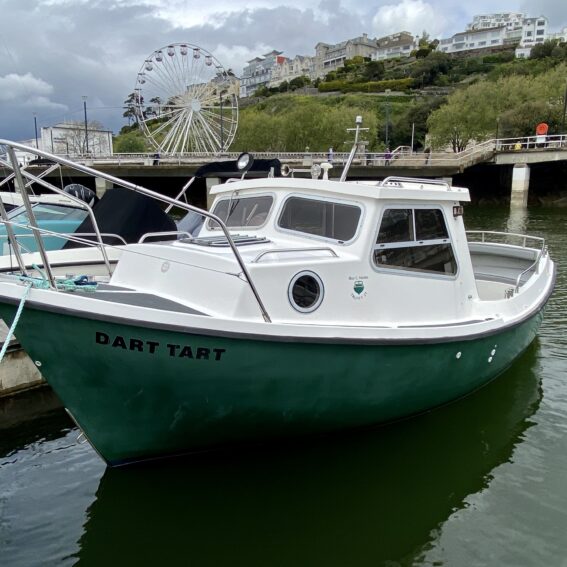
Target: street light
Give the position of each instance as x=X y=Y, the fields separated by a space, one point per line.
x=35 y=126
x=388 y=91
x=497 y=132
x=221 y=125
x=86 y=127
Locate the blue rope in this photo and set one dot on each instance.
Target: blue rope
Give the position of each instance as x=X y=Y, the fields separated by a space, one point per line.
x=81 y=283
x=14 y=322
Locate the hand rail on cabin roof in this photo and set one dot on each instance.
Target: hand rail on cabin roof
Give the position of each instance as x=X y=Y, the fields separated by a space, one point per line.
x=415 y=180
x=285 y=250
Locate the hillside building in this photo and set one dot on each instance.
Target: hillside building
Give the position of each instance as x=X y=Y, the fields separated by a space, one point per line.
x=489 y=31
x=509 y=20
x=399 y=44
x=534 y=31
x=330 y=57
x=290 y=69
x=258 y=72
x=474 y=39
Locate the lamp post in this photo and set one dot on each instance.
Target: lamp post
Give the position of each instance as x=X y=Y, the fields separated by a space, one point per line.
x=497 y=132
x=221 y=125
x=86 y=127
x=387 y=118
x=564 y=111
x=35 y=126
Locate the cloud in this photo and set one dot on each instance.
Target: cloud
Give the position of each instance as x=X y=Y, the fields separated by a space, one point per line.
x=27 y=90
x=414 y=16
x=95 y=48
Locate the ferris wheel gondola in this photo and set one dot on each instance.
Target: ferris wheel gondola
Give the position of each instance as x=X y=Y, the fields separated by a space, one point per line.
x=186 y=101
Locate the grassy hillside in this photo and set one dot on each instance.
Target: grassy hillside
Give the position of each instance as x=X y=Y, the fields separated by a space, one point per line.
x=480 y=97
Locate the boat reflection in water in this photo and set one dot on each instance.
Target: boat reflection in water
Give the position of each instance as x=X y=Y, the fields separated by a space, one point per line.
x=353 y=499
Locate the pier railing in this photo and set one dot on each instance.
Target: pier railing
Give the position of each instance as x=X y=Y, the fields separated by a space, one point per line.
x=402 y=156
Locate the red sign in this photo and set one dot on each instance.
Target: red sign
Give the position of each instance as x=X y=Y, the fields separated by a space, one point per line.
x=541 y=129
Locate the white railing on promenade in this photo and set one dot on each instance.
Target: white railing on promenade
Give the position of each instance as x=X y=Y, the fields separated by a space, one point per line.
x=400 y=157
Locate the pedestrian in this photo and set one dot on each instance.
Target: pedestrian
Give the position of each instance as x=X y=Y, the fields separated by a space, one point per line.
x=427 y=153
x=387 y=156
x=330 y=155
x=156 y=158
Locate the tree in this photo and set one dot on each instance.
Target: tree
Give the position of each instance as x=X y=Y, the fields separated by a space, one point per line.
x=299 y=82
x=300 y=121
x=427 y=70
x=156 y=108
x=545 y=49
x=262 y=91
x=424 y=40
x=518 y=103
x=130 y=106
x=415 y=114
x=373 y=71
x=130 y=143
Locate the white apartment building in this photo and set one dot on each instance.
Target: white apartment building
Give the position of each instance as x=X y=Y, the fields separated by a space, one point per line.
x=71 y=138
x=509 y=20
x=473 y=39
x=534 y=31
x=258 y=72
x=494 y=30
x=399 y=44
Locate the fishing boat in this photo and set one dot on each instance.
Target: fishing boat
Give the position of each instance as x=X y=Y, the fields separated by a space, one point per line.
x=300 y=306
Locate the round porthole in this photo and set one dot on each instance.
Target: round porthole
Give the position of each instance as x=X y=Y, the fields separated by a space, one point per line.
x=305 y=292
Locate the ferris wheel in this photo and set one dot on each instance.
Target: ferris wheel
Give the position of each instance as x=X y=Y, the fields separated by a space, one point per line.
x=186 y=101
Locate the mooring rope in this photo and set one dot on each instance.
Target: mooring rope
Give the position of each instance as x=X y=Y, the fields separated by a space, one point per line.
x=81 y=283
x=14 y=322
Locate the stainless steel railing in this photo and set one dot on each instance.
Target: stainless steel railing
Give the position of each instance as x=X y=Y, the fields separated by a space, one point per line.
x=12 y=146
x=496 y=237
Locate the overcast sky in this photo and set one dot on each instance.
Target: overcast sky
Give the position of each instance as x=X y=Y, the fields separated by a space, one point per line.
x=53 y=52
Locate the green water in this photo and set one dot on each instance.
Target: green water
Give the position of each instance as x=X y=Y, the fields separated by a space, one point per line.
x=480 y=482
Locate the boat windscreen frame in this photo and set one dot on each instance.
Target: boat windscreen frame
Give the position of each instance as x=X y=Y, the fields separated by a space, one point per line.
x=236 y=196
x=298 y=233
x=414 y=272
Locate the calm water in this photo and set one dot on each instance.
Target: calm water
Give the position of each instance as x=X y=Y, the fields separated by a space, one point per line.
x=481 y=482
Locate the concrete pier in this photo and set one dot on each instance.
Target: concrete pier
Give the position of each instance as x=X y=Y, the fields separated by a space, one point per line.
x=17 y=370
x=101 y=186
x=520 y=185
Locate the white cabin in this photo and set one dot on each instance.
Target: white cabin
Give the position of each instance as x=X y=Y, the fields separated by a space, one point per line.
x=324 y=252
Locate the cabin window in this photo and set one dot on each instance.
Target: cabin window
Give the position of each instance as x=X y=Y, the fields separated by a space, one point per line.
x=305 y=292
x=242 y=211
x=320 y=218
x=414 y=239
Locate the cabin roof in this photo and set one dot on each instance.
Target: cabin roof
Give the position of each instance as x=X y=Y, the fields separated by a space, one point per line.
x=390 y=190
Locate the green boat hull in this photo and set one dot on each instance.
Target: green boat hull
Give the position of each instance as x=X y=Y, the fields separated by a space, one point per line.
x=141 y=393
